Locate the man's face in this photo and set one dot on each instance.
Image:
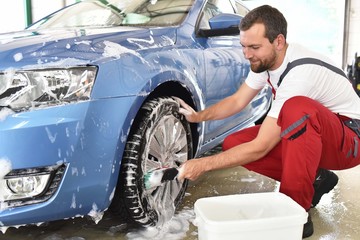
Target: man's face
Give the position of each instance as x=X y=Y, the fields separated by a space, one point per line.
x=258 y=49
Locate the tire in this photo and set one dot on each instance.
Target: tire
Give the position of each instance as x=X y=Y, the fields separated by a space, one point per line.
x=159 y=137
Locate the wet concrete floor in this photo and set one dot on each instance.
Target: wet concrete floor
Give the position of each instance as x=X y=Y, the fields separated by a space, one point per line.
x=337 y=216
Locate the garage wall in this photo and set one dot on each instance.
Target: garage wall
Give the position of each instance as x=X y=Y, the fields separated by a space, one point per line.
x=353 y=31
x=12 y=16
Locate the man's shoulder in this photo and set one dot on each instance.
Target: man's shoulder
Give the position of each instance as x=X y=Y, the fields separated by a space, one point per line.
x=297 y=51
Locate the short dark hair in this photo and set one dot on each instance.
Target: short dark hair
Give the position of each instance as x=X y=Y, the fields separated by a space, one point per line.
x=273 y=20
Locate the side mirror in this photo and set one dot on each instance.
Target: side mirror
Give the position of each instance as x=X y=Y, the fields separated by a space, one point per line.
x=222 y=25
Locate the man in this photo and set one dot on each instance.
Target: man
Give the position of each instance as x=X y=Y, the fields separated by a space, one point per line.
x=303 y=133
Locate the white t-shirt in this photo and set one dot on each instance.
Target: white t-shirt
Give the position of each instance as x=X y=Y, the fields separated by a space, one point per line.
x=314 y=81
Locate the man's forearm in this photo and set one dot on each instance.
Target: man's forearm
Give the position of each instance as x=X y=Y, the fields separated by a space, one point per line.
x=220 y=110
x=236 y=156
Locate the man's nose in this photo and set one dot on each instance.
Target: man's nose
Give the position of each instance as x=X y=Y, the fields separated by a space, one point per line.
x=247 y=53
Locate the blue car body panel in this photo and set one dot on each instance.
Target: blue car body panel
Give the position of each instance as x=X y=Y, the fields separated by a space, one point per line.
x=89 y=137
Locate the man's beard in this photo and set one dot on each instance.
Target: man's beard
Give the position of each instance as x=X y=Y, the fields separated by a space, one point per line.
x=264 y=65
x=260 y=68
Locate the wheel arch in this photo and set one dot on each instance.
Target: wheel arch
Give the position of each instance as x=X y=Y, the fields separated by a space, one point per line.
x=176 y=89
x=169 y=84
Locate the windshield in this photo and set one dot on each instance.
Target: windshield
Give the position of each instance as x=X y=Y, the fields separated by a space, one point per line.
x=108 y=13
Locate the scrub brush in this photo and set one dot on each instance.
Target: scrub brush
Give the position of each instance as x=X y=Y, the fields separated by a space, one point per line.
x=158 y=176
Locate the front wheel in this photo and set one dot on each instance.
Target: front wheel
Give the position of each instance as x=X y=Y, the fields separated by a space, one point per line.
x=160 y=137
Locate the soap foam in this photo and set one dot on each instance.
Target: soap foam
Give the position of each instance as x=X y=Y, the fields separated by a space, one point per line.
x=175 y=229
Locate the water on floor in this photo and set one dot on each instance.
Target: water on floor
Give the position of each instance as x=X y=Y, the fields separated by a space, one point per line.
x=337 y=216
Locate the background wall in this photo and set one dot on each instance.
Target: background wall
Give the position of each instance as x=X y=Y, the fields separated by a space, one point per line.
x=12 y=16
x=353 y=32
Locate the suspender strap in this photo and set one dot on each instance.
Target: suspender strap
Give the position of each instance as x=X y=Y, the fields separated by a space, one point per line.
x=315 y=61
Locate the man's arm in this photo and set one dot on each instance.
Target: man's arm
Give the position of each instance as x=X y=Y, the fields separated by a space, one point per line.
x=267 y=138
x=223 y=109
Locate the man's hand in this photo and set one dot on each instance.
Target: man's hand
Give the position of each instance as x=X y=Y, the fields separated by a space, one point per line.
x=192 y=169
x=190 y=114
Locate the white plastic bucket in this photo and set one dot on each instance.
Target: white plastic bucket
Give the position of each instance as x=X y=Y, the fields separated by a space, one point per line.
x=260 y=216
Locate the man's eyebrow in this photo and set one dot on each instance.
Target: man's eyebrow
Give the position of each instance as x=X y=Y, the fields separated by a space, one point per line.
x=250 y=46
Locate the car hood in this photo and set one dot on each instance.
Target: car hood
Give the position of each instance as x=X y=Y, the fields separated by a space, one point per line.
x=31 y=49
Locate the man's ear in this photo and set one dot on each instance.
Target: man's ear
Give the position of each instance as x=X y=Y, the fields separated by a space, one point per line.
x=280 y=42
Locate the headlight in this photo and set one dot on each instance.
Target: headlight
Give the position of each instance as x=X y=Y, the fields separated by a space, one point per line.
x=33 y=88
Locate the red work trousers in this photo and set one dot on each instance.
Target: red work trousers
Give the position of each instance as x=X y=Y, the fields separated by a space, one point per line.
x=312 y=137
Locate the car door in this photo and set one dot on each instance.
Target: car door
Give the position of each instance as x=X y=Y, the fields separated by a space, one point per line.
x=226 y=69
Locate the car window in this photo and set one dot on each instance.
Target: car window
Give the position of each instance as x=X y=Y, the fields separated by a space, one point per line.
x=93 y=13
x=213 y=8
x=165 y=12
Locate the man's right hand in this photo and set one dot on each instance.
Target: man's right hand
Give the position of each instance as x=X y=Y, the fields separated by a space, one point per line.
x=190 y=114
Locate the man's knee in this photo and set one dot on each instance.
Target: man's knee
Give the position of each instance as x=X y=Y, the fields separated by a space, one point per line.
x=298 y=103
x=228 y=143
x=242 y=136
x=297 y=108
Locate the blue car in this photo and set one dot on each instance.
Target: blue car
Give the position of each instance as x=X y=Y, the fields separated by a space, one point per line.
x=87 y=105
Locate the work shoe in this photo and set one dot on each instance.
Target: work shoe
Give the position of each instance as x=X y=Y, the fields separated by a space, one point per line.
x=308 y=227
x=325 y=181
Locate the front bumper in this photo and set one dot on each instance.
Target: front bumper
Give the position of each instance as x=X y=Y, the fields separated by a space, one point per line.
x=84 y=140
